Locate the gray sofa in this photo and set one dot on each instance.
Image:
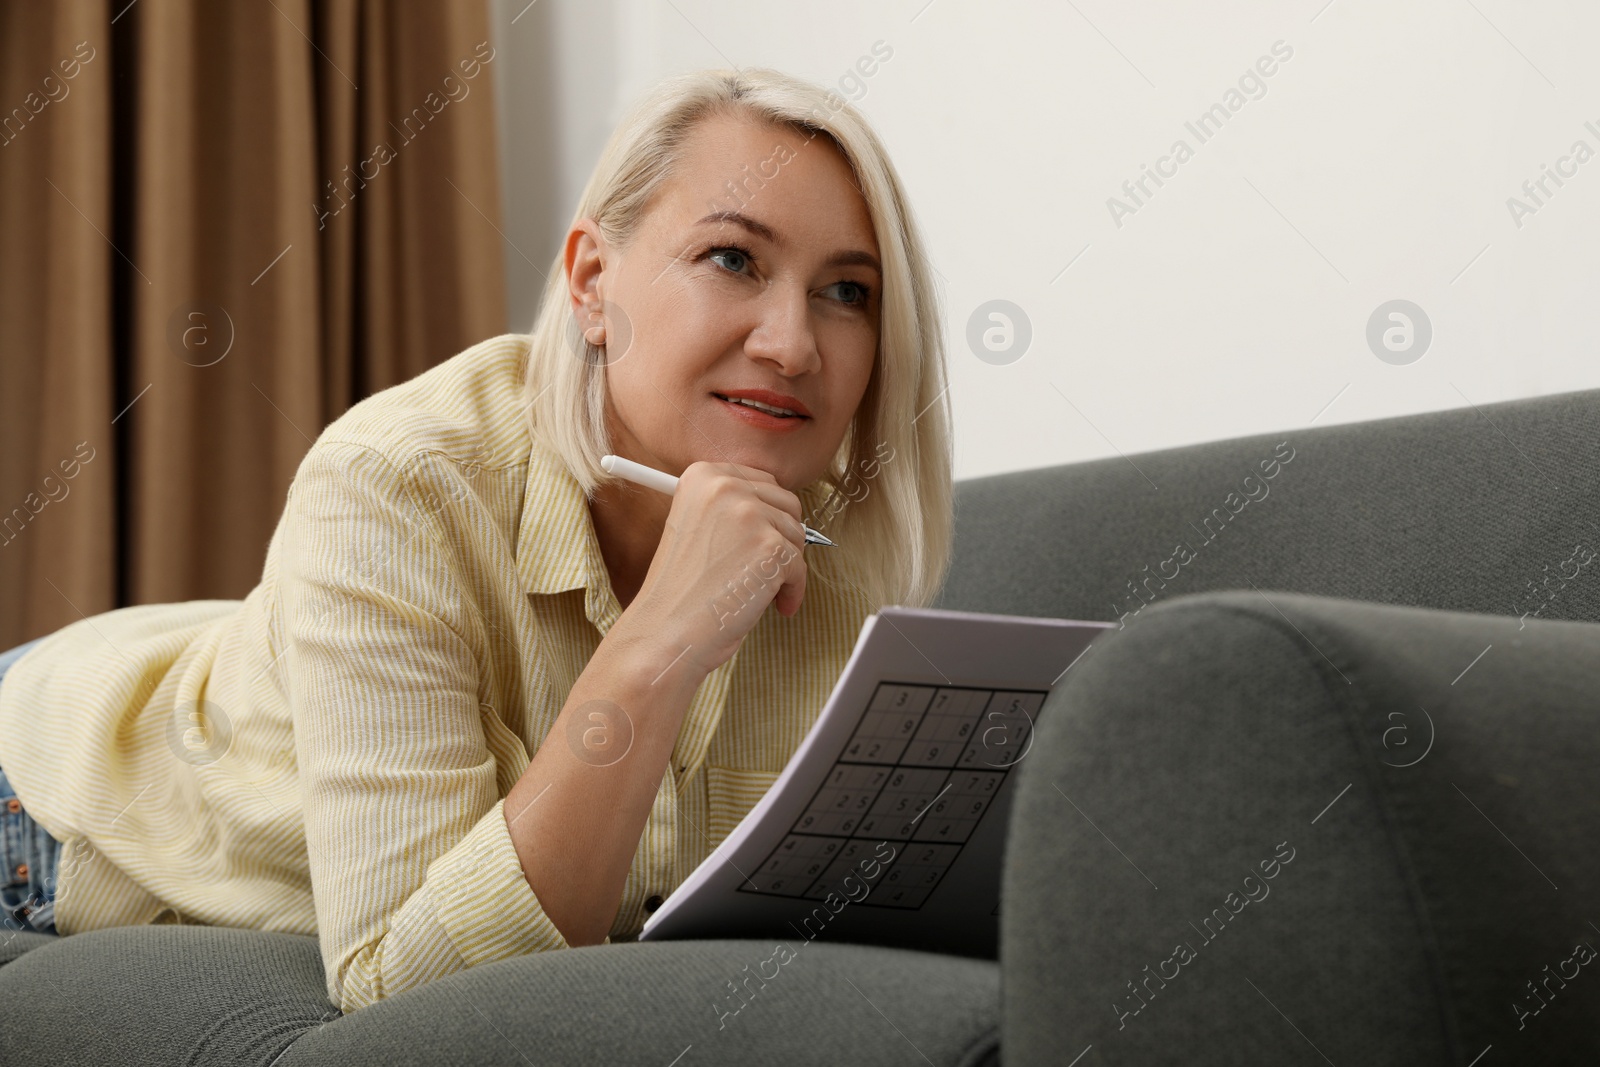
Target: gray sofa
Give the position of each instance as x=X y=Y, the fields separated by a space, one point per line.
x=1344 y=748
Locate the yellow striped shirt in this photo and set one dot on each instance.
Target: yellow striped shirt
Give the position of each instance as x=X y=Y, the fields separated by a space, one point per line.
x=331 y=754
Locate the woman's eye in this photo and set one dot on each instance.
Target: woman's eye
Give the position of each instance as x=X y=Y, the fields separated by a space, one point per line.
x=739 y=257
x=856 y=294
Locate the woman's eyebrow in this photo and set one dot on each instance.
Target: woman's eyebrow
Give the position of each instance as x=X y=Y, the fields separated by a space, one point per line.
x=854 y=257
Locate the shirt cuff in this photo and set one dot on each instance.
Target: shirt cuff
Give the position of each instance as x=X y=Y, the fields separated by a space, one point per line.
x=484 y=899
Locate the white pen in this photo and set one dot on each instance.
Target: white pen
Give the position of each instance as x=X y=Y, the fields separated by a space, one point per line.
x=662 y=482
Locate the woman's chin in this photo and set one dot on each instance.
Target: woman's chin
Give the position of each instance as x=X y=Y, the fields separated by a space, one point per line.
x=783 y=468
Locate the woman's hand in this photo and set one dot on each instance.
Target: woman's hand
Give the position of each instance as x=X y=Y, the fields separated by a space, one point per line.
x=731 y=546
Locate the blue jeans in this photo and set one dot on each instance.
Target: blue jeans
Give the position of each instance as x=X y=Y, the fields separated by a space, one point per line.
x=28 y=854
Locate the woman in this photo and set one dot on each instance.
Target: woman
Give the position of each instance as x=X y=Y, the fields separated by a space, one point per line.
x=455 y=583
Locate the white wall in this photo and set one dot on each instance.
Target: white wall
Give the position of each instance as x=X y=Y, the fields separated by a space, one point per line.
x=1235 y=298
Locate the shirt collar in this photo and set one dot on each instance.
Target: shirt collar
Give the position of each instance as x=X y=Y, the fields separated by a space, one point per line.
x=557 y=550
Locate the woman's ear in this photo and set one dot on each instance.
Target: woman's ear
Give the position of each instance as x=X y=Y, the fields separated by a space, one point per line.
x=586 y=254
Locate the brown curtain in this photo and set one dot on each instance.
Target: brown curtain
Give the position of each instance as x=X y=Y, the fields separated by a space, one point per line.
x=221 y=224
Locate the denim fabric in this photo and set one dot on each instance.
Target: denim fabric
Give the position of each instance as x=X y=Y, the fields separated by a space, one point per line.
x=29 y=856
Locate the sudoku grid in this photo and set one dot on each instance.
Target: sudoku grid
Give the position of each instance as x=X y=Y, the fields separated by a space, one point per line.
x=919 y=772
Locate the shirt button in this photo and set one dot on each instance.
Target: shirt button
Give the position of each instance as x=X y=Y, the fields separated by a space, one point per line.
x=22 y=871
x=652 y=904
x=13 y=805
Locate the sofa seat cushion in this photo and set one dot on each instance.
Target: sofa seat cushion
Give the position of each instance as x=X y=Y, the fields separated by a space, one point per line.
x=14 y=943
x=190 y=995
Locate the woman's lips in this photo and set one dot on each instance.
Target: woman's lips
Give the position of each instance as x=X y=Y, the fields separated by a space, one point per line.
x=781 y=403
x=757 y=417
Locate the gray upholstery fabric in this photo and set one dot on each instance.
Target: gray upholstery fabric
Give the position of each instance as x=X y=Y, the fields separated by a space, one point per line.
x=1452 y=509
x=160 y=994
x=187 y=995
x=14 y=943
x=1196 y=738
x=1455 y=867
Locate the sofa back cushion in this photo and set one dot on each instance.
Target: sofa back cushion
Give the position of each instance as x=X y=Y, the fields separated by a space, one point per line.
x=1494 y=509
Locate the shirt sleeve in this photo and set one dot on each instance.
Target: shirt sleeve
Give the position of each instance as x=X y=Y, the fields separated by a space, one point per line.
x=413 y=871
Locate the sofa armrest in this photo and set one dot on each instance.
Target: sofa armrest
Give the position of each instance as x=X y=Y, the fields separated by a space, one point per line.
x=1262 y=827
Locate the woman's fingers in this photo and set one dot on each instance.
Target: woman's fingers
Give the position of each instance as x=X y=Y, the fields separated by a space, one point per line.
x=792 y=591
x=762 y=483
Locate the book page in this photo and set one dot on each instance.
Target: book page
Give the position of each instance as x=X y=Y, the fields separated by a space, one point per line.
x=887 y=825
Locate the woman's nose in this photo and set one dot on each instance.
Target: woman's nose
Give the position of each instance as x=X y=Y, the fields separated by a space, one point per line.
x=783 y=334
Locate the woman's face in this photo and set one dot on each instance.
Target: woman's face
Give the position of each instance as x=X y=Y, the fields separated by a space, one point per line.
x=755 y=269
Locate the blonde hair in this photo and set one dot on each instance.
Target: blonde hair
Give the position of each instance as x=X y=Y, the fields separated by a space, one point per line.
x=889 y=502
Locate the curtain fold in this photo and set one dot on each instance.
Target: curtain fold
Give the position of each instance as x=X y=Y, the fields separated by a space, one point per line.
x=223 y=224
